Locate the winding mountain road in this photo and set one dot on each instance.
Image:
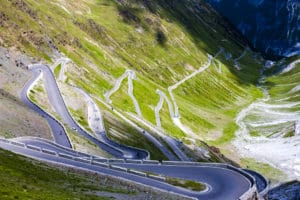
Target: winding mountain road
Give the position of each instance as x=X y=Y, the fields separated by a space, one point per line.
x=235 y=61
x=58 y=104
x=173 y=107
x=162 y=98
x=222 y=181
x=131 y=76
x=173 y=143
x=214 y=61
x=173 y=87
x=59 y=133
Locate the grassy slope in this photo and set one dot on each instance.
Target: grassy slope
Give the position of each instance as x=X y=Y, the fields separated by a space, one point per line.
x=25 y=179
x=271 y=173
x=281 y=85
x=282 y=89
x=103 y=38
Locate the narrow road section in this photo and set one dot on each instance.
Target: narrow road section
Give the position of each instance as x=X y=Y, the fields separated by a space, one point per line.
x=131 y=76
x=58 y=131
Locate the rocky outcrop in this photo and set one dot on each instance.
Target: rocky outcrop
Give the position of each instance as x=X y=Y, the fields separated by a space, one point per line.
x=271 y=26
x=289 y=190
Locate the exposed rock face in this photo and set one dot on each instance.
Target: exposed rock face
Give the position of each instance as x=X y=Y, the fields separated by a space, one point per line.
x=289 y=190
x=271 y=26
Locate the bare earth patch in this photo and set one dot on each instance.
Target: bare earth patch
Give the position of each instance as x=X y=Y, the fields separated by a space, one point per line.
x=16 y=119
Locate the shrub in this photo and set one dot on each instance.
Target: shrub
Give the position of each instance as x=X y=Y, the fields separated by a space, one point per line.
x=161 y=37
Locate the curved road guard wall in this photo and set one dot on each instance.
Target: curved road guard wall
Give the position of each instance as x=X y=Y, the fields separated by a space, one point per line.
x=65 y=156
x=116 y=160
x=118 y=168
x=49 y=152
x=137 y=172
x=150 y=162
x=33 y=147
x=133 y=161
x=99 y=164
x=159 y=178
x=21 y=139
x=52 y=147
x=18 y=144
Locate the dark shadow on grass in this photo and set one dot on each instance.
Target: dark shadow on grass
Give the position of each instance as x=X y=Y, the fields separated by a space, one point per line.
x=208 y=30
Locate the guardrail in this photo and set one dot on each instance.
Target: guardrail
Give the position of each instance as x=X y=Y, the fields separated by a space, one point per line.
x=150 y=162
x=18 y=144
x=107 y=163
x=54 y=144
x=252 y=191
x=116 y=160
x=159 y=178
x=90 y=160
x=33 y=147
x=80 y=160
x=60 y=146
x=137 y=172
x=66 y=156
x=100 y=164
x=103 y=160
x=49 y=151
x=133 y=161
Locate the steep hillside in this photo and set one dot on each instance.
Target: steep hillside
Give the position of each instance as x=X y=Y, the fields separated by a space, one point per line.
x=165 y=44
x=271 y=26
x=16 y=119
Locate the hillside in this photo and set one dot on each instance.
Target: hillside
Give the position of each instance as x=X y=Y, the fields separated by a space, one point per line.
x=174 y=68
x=269 y=128
x=16 y=119
x=162 y=47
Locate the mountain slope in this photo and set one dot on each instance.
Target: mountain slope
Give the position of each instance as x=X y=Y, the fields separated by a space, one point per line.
x=162 y=42
x=269 y=129
x=16 y=119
